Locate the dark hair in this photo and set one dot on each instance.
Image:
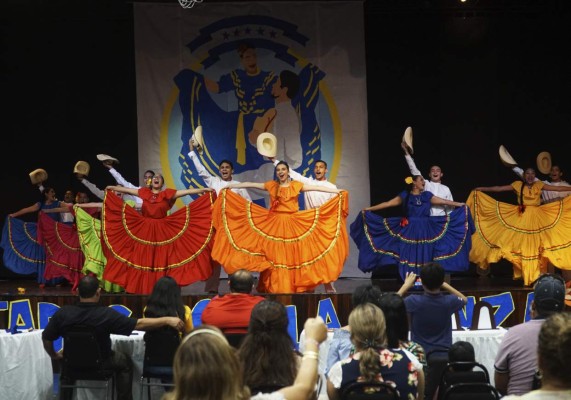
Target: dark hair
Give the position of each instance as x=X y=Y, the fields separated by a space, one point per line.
x=366 y=294
x=227 y=162
x=149 y=171
x=241 y=281
x=290 y=80
x=461 y=351
x=396 y=318
x=432 y=276
x=267 y=351
x=44 y=193
x=88 y=286
x=165 y=300
x=321 y=161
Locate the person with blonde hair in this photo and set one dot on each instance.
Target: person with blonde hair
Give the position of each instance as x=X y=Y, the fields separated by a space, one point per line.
x=207 y=367
x=373 y=361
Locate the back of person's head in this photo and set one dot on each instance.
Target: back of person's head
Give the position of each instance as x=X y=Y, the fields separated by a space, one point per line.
x=241 y=281
x=549 y=295
x=88 y=286
x=267 y=351
x=461 y=351
x=432 y=276
x=554 y=350
x=396 y=318
x=165 y=299
x=290 y=80
x=205 y=366
x=368 y=335
x=366 y=294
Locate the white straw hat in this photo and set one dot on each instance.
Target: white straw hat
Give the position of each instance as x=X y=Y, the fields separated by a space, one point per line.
x=267 y=144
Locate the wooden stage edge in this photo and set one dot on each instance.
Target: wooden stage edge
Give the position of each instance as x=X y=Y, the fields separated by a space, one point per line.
x=509 y=298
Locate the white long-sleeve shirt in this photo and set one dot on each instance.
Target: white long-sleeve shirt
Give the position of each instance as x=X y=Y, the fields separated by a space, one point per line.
x=436 y=188
x=121 y=181
x=547 y=196
x=101 y=194
x=215 y=182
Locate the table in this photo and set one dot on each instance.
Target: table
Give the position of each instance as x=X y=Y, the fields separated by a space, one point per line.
x=25 y=367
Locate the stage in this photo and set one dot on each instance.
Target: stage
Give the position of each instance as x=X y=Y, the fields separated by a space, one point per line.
x=32 y=306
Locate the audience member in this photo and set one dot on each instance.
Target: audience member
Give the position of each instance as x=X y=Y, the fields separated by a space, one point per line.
x=105 y=321
x=372 y=360
x=207 y=367
x=267 y=352
x=231 y=312
x=166 y=301
x=516 y=361
x=341 y=346
x=553 y=355
x=460 y=351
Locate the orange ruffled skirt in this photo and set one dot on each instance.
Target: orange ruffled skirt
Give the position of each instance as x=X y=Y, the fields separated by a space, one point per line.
x=528 y=240
x=141 y=250
x=294 y=252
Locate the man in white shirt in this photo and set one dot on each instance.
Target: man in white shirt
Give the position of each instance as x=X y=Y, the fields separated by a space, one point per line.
x=147 y=177
x=433 y=184
x=314 y=199
x=226 y=169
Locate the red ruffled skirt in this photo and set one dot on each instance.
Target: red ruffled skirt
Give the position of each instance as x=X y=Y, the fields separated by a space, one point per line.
x=140 y=250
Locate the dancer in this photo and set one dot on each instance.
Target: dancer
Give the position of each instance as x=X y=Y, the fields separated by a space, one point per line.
x=315 y=199
x=528 y=235
x=433 y=185
x=64 y=258
x=294 y=250
x=416 y=239
x=140 y=249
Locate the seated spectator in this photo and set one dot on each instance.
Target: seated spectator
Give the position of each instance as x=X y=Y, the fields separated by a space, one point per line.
x=341 y=346
x=372 y=360
x=553 y=355
x=460 y=351
x=231 y=312
x=166 y=301
x=207 y=367
x=516 y=361
x=105 y=321
x=267 y=353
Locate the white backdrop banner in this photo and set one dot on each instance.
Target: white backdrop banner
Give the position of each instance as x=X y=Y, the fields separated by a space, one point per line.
x=216 y=66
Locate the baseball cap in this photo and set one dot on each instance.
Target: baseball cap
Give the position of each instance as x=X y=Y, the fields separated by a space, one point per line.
x=549 y=293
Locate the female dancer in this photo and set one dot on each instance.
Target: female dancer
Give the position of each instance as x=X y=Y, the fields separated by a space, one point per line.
x=64 y=258
x=416 y=239
x=294 y=250
x=140 y=249
x=527 y=234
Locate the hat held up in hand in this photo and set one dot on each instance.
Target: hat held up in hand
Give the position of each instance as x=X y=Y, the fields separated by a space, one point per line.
x=544 y=162
x=198 y=140
x=506 y=158
x=407 y=139
x=267 y=144
x=38 y=176
x=81 y=167
x=105 y=157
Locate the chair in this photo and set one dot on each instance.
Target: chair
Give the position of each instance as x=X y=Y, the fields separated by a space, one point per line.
x=160 y=347
x=471 y=391
x=462 y=372
x=369 y=391
x=436 y=361
x=82 y=360
x=235 y=339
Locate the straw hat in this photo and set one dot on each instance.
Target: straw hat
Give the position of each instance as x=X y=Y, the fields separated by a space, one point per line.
x=81 y=167
x=105 y=157
x=544 y=162
x=198 y=139
x=407 y=138
x=38 y=176
x=267 y=144
x=506 y=158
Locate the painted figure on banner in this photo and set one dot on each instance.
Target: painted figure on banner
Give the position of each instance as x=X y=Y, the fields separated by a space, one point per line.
x=243 y=102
